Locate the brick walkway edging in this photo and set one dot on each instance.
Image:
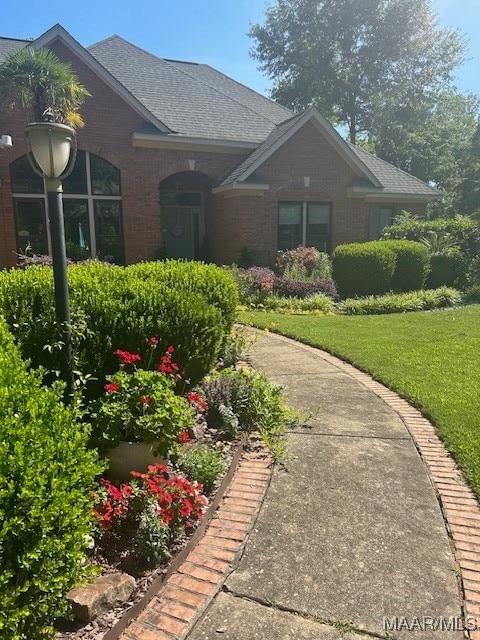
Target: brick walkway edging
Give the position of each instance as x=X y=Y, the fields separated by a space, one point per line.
x=188 y=591
x=458 y=503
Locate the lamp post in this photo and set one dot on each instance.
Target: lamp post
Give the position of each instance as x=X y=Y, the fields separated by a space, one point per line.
x=51 y=151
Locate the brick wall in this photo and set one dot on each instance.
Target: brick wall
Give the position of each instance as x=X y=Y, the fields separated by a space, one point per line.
x=232 y=223
x=252 y=221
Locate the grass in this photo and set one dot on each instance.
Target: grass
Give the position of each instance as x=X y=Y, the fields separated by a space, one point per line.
x=429 y=358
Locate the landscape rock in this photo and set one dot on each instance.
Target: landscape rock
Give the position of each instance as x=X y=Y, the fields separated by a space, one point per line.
x=96 y=598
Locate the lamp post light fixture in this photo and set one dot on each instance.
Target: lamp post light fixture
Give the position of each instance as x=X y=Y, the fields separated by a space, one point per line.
x=51 y=151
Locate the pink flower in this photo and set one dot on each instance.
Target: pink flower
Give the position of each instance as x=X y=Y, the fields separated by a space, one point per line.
x=153 y=341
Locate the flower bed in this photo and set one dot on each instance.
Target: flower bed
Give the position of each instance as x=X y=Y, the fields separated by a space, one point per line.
x=141 y=523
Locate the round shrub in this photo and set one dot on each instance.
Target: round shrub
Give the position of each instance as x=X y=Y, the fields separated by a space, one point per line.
x=46 y=477
x=447 y=269
x=412 y=265
x=215 y=284
x=188 y=305
x=363 y=268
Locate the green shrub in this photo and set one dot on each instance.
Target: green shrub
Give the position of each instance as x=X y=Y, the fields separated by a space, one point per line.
x=318 y=303
x=364 y=268
x=401 y=302
x=412 y=265
x=462 y=231
x=447 y=269
x=442 y=236
x=247 y=400
x=188 y=305
x=46 y=474
x=201 y=463
x=212 y=282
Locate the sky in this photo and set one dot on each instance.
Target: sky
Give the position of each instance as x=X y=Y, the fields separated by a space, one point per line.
x=209 y=31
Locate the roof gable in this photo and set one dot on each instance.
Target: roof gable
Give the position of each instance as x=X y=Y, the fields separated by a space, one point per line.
x=57 y=32
x=376 y=178
x=284 y=132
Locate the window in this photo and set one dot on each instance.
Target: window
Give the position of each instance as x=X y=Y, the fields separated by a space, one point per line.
x=92 y=209
x=304 y=223
x=380 y=217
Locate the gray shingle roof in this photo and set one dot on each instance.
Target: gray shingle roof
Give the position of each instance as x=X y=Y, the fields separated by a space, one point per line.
x=393 y=180
x=8 y=45
x=192 y=100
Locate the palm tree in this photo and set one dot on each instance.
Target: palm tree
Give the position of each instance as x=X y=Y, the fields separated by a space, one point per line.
x=38 y=80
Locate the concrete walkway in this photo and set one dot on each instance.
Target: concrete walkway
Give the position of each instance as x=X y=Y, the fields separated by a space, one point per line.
x=350 y=538
x=349 y=541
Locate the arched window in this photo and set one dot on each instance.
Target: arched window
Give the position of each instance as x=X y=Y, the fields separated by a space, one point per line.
x=92 y=207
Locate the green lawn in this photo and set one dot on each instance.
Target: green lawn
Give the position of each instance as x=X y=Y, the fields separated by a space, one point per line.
x=430 y=358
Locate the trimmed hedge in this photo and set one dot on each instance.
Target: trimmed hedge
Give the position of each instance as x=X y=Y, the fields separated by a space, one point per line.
x=46 y=474
x=188 y=305
x=401 y=302
x=447 y=269
x=363 y=268
x=412 y=265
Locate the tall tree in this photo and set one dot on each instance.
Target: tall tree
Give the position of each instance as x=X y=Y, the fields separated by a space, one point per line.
x=469 y=188
x=432 y=139
x=348 y=56
x=38 y=80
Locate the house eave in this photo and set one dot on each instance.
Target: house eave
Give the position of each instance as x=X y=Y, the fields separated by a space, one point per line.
x=162 y=141
x=241 y=189
x=363 y=193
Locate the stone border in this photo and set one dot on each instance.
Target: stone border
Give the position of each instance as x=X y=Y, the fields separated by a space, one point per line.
x=184 y=596
x=459 y=505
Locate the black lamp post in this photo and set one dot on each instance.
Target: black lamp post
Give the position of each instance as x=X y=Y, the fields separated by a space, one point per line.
x=51 y=150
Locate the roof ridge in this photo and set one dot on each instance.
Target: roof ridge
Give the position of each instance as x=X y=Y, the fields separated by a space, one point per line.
x=27 y=41
x=389 y=164
x=217 y=90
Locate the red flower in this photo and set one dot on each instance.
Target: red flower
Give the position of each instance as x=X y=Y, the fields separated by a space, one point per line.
x=197 y=401
x=170 y=349
x=153 y=341
x=183 y=436
x=145 y=399
x=166 y=365
x=111 y=387
x=126 y=357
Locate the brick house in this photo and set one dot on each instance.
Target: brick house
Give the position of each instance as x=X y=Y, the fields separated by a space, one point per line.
x=177 y=159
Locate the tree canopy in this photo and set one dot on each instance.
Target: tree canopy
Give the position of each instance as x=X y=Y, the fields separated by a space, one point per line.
x=38 y=80
x=348 y=57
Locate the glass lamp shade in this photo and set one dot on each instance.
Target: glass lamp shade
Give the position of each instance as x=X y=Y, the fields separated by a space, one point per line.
x=51 y=149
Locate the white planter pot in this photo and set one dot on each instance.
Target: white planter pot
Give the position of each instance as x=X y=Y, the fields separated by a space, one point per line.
x=131 y=456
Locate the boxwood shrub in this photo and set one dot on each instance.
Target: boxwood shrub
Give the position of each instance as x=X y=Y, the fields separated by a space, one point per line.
x=412 y=265
x=188 y=305
x=46 y=474
x=447 y=269
x=363 y=268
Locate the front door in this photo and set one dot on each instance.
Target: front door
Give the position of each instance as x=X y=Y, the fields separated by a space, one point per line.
x=182 y=220
x=180 y=232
